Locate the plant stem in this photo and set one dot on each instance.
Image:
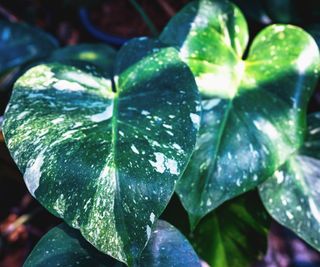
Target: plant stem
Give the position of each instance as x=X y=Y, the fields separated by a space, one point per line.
x=145 y=18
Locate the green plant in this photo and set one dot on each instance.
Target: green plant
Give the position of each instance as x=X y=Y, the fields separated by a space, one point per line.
x=104 y=145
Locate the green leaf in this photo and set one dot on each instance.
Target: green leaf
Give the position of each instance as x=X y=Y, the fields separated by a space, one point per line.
x=100 y=55
x=21 y=43
x=253 y=110
x=64 y=246
x=292 y=195
x=106 y=162
x=234 y=235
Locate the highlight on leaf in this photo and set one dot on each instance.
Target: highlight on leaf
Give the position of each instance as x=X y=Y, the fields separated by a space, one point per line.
x=105 y=160
x=254 y=109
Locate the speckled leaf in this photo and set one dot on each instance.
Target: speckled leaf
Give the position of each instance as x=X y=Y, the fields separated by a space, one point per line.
x=64 y=246
x=100 y=55
x=21 y=43
x=105 y=162
x=292 y=194
x=253 y=110
x=234 y=235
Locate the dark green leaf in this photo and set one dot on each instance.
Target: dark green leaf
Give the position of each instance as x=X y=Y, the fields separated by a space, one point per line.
x=64 y=246
x=100 y=55
x=20 y=43
x=234 y=235
x=105 y=162
x=253 y=110
x=292 y=194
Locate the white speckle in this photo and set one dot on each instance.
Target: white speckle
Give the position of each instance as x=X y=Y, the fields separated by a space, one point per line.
x=134 y=149
x=170 y=133
x=195 y=118
x=162 y=163
x=57 y=121
x=22 y=115
x=314 y=209
x=229 y=156
x=144 y=112
x=315 y=131
x=172 y=116
x=159 y=163
x=167 y=126
x=152 y=217
x=238 y=182
x=85 y=79
x=69 y=86
x=32 y=174
x=209 y=203
x=148 y=231
x=280 y=177
x=279 y=28
x=289 y=215
x=103 y=116
x=121 y=133
x=172 y=165
x=177 y=147
x=68 y=134
x=255 y=177
x=267 y=128
x=155 y=143
x=209 y=104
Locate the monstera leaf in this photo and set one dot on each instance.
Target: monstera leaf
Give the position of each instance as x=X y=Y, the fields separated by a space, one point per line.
x=64 y=246
x=100 y=55
x=235 y=234
x=292 y=194
x=253 y=110
x=20 y=43
x=106 y=158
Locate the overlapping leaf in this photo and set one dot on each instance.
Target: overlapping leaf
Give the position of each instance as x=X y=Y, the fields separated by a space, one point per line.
x=64 y=246
x=234 y=235
x=21 y=43
x=253 y=109
x=100 y=55
x=292 y=194
x=104 y=161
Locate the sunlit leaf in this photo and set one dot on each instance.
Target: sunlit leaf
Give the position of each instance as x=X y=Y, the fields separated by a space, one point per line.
x=253 y=110
x=292 y=194
x=106 y=162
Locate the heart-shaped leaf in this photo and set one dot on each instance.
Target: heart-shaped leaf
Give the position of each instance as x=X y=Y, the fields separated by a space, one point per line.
x=235 y=234
x=106 y=162
x=64 y=246
x=21 y=43
x=253 y=110
x=292 y=194
x=100 y=55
